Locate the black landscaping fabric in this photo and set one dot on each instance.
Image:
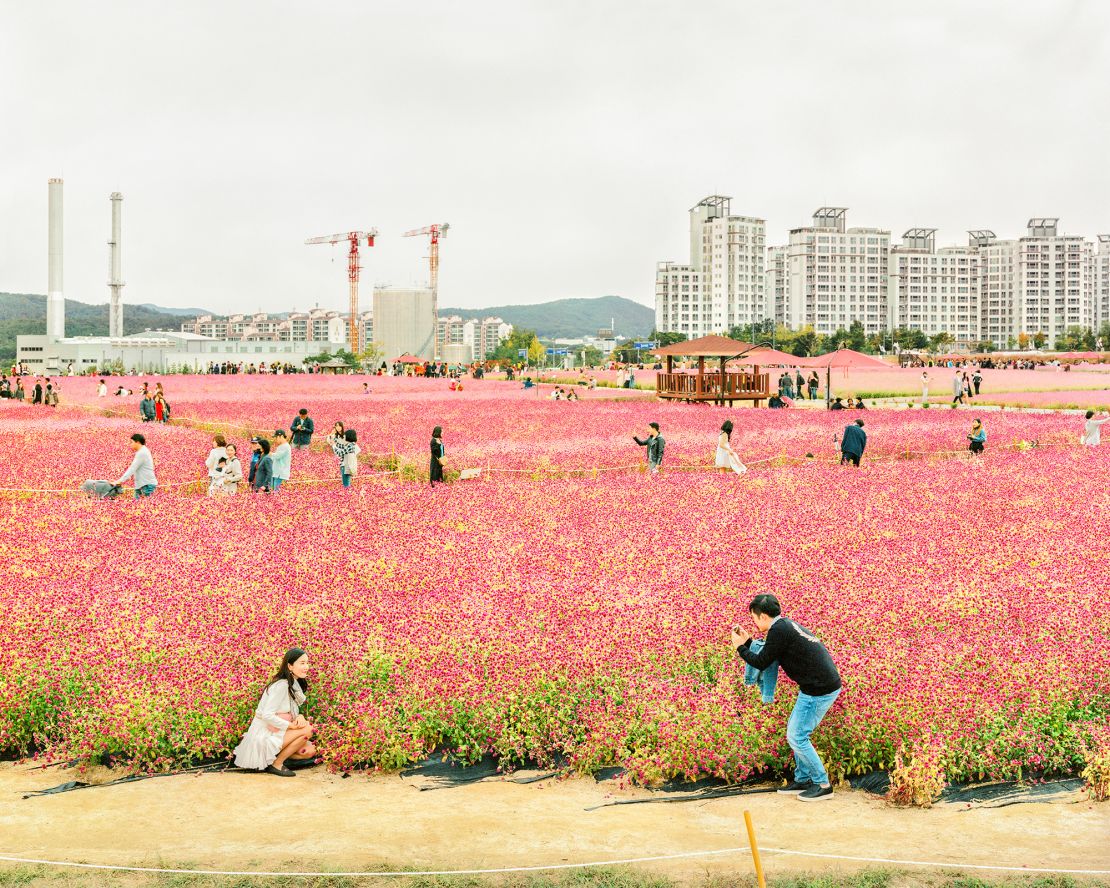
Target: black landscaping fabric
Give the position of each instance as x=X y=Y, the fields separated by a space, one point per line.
x=443 y=771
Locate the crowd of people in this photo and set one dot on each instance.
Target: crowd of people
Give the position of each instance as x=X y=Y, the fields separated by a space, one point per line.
x=44 y=391
x=270 y=464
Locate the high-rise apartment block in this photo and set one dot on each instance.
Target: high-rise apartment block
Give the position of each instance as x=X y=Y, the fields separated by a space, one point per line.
x=1100 y=280
x=829 y=276
x=723 y=284
x=934 y=291
x=836 y=275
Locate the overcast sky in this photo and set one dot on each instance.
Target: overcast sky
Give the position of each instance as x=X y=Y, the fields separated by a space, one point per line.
x=563 y=141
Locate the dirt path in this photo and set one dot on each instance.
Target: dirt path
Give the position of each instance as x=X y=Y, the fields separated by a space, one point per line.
x=248 y=821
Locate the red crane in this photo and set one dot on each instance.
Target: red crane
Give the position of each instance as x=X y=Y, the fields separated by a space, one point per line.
x=435 y=232
x=353 y=237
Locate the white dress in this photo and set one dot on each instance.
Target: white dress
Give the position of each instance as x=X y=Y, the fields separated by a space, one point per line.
x=722 y=460
x=725 y=459
x=266 y=734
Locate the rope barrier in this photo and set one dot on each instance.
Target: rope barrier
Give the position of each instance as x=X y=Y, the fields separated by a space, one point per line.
x=936 y=864
x=593 y=471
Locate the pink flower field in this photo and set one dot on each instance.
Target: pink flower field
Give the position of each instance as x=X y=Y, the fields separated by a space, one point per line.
x=533 y=616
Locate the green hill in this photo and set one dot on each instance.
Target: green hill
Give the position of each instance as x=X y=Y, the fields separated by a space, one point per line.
x=25 y=313
x=570 y=318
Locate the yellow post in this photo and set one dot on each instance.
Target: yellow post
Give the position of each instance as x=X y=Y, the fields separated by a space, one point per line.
x=755 y=850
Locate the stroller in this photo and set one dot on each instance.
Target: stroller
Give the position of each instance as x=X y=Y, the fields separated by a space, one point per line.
x=100 y=490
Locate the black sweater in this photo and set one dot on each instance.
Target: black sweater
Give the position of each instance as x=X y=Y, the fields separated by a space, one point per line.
x=801 y=656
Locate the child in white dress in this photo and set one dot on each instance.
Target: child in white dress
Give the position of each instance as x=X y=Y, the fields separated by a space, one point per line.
x=278 y=731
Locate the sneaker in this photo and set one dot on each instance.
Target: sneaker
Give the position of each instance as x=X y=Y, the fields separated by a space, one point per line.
x=280 y=772
x=795 y=787
x=816 y=793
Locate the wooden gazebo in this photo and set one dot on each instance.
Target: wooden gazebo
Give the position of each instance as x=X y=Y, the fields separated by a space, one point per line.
x=717 y=384
x=335 y=365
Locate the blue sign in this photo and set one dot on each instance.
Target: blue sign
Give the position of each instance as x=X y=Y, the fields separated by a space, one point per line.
x=522 y=352
x=556 y=351
x=642 y=345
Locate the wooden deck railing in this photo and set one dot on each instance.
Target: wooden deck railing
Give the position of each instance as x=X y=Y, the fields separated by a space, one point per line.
x=711 y=386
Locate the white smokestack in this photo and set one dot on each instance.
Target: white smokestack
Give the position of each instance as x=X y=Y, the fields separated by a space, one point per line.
x=55 y=301
x=115 y=284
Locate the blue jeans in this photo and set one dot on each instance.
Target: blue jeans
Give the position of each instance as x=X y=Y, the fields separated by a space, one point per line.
x=145 y=490
x=275 y=483
x=346 y=478
x=767 y=679
x=807 y=715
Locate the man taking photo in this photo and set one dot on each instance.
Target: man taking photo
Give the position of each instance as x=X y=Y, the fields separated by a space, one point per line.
x=807 y=662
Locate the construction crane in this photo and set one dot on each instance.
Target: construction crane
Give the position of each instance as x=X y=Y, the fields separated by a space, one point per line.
x=353 y=237
x=435 y=232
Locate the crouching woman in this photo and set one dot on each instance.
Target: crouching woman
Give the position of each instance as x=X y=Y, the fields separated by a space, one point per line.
x=278 y=732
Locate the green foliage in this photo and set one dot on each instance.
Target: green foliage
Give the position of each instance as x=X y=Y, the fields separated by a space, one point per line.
x=938 y=342
x=569 y=318
x=665 y=339
x=536 y=352
x=24 y=314
x=1076 y=339
x=508 y=352
x=911 y=340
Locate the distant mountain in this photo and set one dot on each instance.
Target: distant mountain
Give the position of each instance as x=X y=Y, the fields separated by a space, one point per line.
x=570 y=318
x=25 y=313
x=183 y=312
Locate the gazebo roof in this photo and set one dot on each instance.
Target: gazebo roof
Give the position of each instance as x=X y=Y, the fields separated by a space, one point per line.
x=845 y=357
x=705 y=347
x=409 y=359
x=334 y=362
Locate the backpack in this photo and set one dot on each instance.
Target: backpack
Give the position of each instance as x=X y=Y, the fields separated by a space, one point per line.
x=350 y=463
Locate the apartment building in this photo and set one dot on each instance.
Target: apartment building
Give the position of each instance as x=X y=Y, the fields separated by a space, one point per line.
x=775 y=281
x=472 y=339
x=835 y=275
x=1054 y=279
x=934 y=291
x=316 y=325
x=1100 y=281
x=723 y=283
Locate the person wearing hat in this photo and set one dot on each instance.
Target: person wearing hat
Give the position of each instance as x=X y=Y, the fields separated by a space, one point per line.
x=280 y=457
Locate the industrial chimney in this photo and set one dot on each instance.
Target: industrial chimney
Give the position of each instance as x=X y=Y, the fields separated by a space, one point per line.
x=55 y=301
x=115 y=308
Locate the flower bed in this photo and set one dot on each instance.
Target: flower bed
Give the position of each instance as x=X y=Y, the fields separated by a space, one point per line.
x=577 y=620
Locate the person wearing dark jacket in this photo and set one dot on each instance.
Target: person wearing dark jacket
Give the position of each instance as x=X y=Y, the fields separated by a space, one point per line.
x=853 y=443
x=146 y=408
x=808 y=663
x=654 y=444
x=264 y=471
x=435 y=466
x=256 y=455
x=302 y=428
x=36 y=393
